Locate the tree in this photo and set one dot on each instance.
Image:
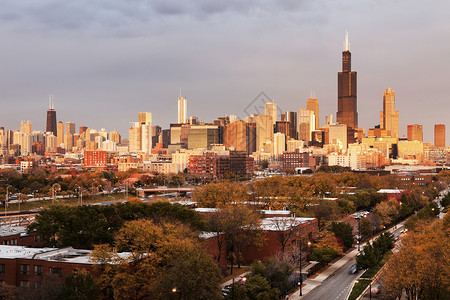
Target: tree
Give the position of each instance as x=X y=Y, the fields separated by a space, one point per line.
x=323 y=255
x=193 y=274
x=241 y=226
x=421 y=267
x=277 y=273
x=258 y=288
x=79 y=285
x=153 y=249
x=219 y=194
x=344 y=232
x=367 y=259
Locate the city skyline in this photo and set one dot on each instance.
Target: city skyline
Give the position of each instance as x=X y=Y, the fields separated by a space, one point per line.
x=224 y=69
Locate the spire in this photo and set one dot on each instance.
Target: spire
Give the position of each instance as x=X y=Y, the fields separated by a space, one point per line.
x=346 y=44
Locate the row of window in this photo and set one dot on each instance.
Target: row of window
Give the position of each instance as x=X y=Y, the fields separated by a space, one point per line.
x=12 y=242
x=25 y=269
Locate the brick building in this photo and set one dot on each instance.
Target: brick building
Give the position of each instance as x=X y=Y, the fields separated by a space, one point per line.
x=214 y=165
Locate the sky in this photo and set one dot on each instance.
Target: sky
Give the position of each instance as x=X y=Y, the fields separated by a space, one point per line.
x=106 y=60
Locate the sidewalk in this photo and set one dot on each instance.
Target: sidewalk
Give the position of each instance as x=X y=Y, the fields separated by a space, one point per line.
x=311 y=284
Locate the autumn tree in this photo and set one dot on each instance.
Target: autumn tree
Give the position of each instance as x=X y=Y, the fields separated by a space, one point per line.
x=242 y=227
x=421 y=267
x=153 y=249
x=220 y=193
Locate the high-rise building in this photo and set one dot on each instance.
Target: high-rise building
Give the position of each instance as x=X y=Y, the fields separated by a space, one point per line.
x=241 y=136
x=439 y=135
x=140 y=137
x=270 y=109
x=83 y=132
x=182 y=110
x=51 y=117
x=306 y=124
x=70 y=127
x=26 y=127
x=415 y=132
x=389 y=116
x=347 y=105
x=264 y=131
x=114 y=136
x=313 y=105
x=291 y=117
x=202 y=136
x=279 y=144
x=60 y=134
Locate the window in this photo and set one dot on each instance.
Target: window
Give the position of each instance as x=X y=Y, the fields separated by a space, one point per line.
x=56 y=271
x=24 y=283
x=37 y=270
x=2 y=269
x=14 y=242
x=25 y=269
x=37 y=238
x=5 y=242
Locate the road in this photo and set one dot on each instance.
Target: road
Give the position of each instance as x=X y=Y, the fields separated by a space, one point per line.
x=335 y=287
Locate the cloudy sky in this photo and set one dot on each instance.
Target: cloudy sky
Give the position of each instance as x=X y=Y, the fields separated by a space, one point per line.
x=106 y=60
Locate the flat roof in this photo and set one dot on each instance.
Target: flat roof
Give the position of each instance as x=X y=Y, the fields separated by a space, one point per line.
x=282 y=223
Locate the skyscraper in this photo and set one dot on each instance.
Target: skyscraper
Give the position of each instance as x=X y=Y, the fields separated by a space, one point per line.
x=306 y=124
x=415 y=132
x=313 y=105
x=291 y=117
x=439 y=135
x=26 y=127
x=182 y=110
x=389 y=116
x=270 y=109
x=347 y=106
x=51 y=117
x=140 y=137
x=60 y=134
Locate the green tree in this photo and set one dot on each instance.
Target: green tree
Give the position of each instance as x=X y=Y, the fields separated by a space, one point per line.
x=323 y=255
x=344 y=232
x=258 y=288
x=79 y=285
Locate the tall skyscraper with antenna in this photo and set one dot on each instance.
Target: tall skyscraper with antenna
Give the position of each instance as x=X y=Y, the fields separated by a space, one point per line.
x=182 y=110
x=51 y=117
x=347 y=106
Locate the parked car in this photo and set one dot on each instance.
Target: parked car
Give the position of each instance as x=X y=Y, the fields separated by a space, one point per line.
x=353 y=269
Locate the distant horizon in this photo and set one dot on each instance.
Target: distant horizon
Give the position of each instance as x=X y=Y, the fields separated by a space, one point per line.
x=105 y=62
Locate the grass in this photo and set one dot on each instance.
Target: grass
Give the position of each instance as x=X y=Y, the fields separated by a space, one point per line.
x=358 y=288
x=367 y=276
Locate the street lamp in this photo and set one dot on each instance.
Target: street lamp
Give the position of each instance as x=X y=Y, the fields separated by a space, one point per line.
x=80 y=191
x=301 y=258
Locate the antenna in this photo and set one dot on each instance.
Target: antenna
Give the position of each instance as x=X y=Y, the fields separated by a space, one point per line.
x=347 y=48
x=53 y=103
x=50 y=101
x=180 y=92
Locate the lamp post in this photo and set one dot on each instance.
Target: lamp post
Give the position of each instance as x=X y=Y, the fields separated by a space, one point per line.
x=6 y=198
x=301 y=258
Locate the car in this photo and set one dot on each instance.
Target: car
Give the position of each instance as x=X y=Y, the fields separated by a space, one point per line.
x=226 y=290
x=375 y=289
x=353 y=269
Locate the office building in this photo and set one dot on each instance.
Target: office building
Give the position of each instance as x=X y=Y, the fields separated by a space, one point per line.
x=264 y=131
x=439 y=135
x=182 y=110
x=270 y=109
x=203 y=136
x=415 y=132
x=389 y=116
x=140 y=139
x=240 y=136
x=60 y=133
x=26 y=127
x=306 y=124
x=291 y=117
x=279 y=144
x=313 y=105
x=347 y=101
x=51 y=118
